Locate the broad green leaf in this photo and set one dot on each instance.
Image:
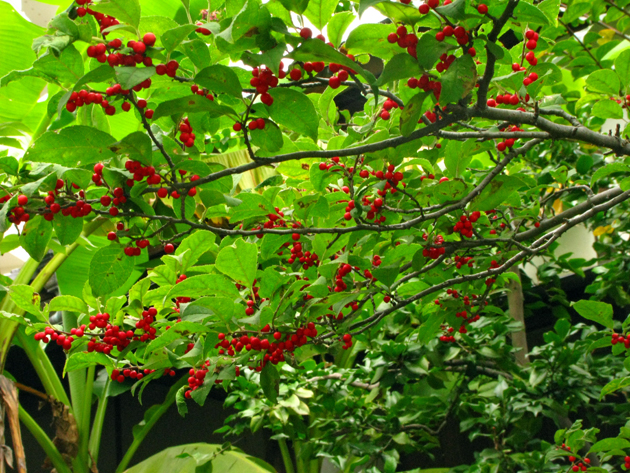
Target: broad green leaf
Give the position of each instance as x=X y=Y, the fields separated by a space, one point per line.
x=213 y=458
x=204 y=285
x=80 y=360
x=609 y=169
x=36 y=236
x=129 y=77
x=173 y=38
x=72 y=146
x=104 y=73
x=198 y=52
x=496 y=193
x=551 y=8
x=270 y=382
x=192 y=104
x=67 y=229
x=411 y=113
x=457 y=157
x=198 y=243
x=269 y=139
x=338 y=26
x=220 y=78
x=401 y=66
x=239 y=262
x=319 y=12
x=430 y=50
x=137 y=146
x=68 y=303
x=622 y=67
x=372 y=38
x=125 y=11
x=298 y=6
x=455 y=10
x=109 y=269
x=527 y=12
x=27 y=299
x=295 y=111
x=607 y=445
x=252 y=205
x=615 y=385
x=605 y=81
x=458 y=80
x=607 y=109
x=67 y=68
x=596 y=311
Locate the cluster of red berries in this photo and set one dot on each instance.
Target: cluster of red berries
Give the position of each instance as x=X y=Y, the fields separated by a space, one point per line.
x=264 y=79
x=84 y=97
x=196 y=377
x=141 y=172
x=79 y=209
x=387 y=106
x=509 y=142
x=619 y=338
x=426 y=84
x=405 y=40
x=435 y=248
x=461 y=36
x=119 y=198
x=506 y=99
x=306 y=258
x=104 y=21
x=344 y=270
x=195 y=89
x=624 y=102
x=119 y=375
x=18 y=214
x=63 y=340
x=342 y=73
x=425 y=7
x=186 y=135
x=148 y=318
x=169 y=69
x=461 y=261
x=162 y=192
x=583 y=465
x=347 y=341
x=465 y=225
x=375 y=205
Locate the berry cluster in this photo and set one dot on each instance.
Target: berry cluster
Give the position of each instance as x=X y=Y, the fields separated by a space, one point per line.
x=461 y=36
x=387 y=106
x=186 y=135
x=405 y=40
x=509 y=142
x=465 y=225
x=435 y=248
x=263 y=79
x=63 y=340
x=342 y=73
x=425 y=7
x=18 y=214
x=195 y=89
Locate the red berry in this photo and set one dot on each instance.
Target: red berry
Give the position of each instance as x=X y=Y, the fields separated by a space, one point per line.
x=306 y=33
x=483 y=9
x=149 y=39
x=237 y=127
x=22 y=200
x=169 y=248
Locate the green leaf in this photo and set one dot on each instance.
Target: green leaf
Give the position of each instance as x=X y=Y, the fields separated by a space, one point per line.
x=204 y=285
x=129 y=77
x=609 y=169
x=219 y=78
x=430 y=50
x=399 y=67
x=125 y=11
x=173 y=38
x=36 y=236
x=27 y=299
x=270 y=382
x=338 y=26
x=298 y=6
x=526 y=12
x=69 y=303
x=458 y=156
x=411 y=113
x=109 y=269
x=319 y=12
x=9 y=165
x=270 y=139
x=607 y=109
x=215 y=458
x=252 y=205
x=198 y=52
x=72 y=146
x=372 y=38
x=239 y=261
x=551 y=9
x=455 y=10
x=607 y=445
x=67 y=229
x=622 y=67
x=137 y=146
x=458 y=80
x=605 y=81
x=192 y=104
x=295 y=111
x=80 y=360
x=596 y=311
x=66 y=68
x=102 y=74
x=615 y=385
x=198 y=243
x=496 y=193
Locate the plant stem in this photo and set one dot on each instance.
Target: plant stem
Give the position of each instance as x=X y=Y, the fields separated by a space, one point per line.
x=97 y=425
x=286 y=456
x=76 y=378
x=86 y=416
x=148 y=425
x=44 y=441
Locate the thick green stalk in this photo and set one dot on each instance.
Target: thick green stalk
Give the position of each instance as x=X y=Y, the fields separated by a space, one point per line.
x=76 y=378
x=44 y=441
x=146 y=428
x=97 y=425
x=86 y=412
x=286 y=456
x=300 y=462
